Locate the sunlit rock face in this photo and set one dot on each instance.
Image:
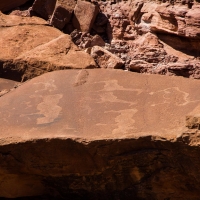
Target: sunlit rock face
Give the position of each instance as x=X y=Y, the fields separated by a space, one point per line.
x=71 y=131
x=100 y=134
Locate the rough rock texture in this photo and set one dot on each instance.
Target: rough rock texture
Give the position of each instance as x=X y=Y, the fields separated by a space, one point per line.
x=100 y=134
x=33 y=49
x=163 y=36
x=105 y=59
x=62 y=13
x=59 y=53
x=44 y=8
x=84 y=15
x=159 y=35
x=10 y=4
x=85 y=40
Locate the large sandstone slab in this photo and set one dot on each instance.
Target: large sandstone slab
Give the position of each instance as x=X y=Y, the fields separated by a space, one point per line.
x=71 y=133
x=98 y=104
x=100 y=134
x=31 y=48
x=19 y=34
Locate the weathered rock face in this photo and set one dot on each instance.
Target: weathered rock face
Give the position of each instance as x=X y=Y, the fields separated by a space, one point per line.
x=62 y=13
x=100 y=134
x=159 y=35
x=44 y=8
x=35 y=48
x=84 y=15
x=105 y=59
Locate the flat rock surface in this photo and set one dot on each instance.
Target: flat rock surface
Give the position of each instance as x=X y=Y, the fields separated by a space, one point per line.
x=97 y=104
x=32 y=48
x=6 y=84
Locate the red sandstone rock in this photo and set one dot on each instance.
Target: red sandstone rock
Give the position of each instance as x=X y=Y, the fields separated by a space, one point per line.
x=12 y=20
x=97 y=41
x=44 y=8
x=34 y=49
x=100 y=134
x=58 y=54
x=174 y=27
x=192 y=20
x=62 y=13
x=85 y=40
x=105 y=59
x=84 y=15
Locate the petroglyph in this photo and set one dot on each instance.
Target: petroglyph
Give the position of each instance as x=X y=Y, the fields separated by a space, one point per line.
x=81 y=78
x=124 y=121
x=169 y=94
x=113 y=85
x=49 y=108
x=48 y=85
x=66 y=129
x=110 y=97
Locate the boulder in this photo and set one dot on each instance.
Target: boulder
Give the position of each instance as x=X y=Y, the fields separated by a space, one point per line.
x=62 y=13
x=10 y=4
x=34 y=48
x=58 y=54
x=20 y=34
x=16 y=40
x=97 y=41
x=84 y=15
x=105 y=59
x=139 y=65
x=192 y=19
x=44 y=8
x=100 y=134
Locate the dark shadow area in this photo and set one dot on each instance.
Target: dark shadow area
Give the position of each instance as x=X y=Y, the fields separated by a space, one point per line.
x=9 y=71
x=183 y=72
x=120 y=168
x=27 y=5
x=188 y=46
x=23 y=7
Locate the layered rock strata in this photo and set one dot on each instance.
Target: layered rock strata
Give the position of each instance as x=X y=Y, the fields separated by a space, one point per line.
x=100 y=134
